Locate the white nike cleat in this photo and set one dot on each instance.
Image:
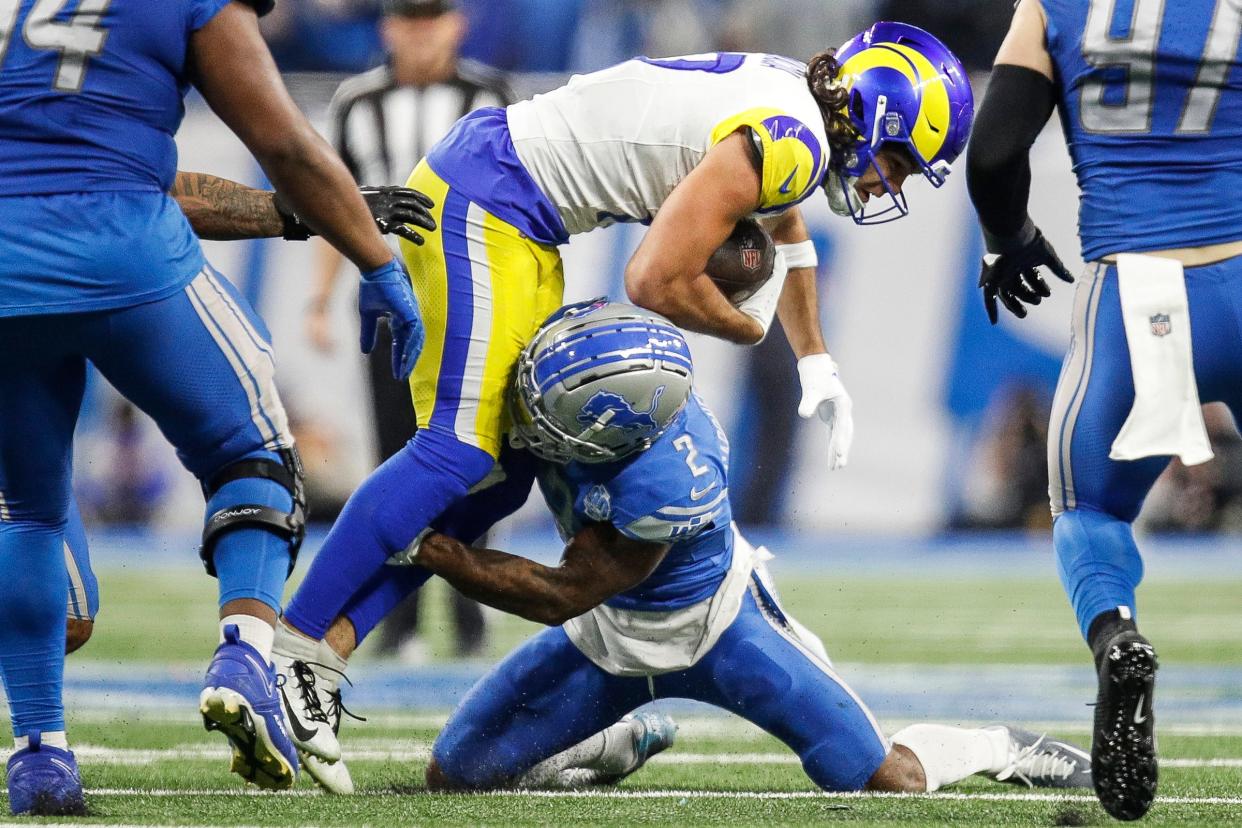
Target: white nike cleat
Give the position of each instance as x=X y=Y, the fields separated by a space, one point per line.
x=1039 y=761
x=302 y=695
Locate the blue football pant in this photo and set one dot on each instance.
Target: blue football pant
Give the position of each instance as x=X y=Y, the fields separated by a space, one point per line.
x=546 y=696
x=83 y=586
x=199 y=363
x=1094 y=499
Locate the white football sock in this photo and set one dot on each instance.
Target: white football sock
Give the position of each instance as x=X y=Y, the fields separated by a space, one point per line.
x=254 y=631
x=607 y=753
x=950 y=754
x=294 y=646
x=54 y=738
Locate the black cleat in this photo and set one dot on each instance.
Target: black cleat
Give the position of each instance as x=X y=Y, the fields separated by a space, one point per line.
x=1123 y=744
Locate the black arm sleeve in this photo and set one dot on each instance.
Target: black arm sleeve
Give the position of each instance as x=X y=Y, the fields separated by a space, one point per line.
x=998 y=165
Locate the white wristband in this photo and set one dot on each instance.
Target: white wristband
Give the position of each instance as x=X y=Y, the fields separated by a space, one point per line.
x=801 y=254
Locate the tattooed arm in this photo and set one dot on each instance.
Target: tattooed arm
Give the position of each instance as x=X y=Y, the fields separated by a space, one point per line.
x=223 y=210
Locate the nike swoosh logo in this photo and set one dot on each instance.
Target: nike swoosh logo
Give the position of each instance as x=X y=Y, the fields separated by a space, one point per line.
x=300 y=733
x=788 y=181
x=1139 y=718
x=696 y=494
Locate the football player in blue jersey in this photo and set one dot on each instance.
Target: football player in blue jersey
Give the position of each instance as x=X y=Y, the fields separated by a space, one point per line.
x=1150 y=97
x=657 y=595
x=97 y=262
x=220 y=209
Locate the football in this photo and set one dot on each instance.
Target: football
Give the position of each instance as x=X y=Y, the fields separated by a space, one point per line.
x=741 y=265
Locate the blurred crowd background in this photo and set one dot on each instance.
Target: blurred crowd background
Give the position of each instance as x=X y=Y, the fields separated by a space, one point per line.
x=951 y=413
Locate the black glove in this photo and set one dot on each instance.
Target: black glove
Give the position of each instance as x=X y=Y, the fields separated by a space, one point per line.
x=394 y=208
x=1014 y=276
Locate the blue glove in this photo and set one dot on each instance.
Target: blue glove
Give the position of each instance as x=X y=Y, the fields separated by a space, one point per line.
x=385 y=292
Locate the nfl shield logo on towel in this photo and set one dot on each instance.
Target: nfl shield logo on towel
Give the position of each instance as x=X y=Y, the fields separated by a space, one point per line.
x=1160 y=325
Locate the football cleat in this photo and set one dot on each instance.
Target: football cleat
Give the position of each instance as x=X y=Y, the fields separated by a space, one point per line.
x=652 y=733
x=333 y=777
x=312 y=700
x=1123 y=745
x=240 y=700
x=1038 y=761
x=43 y=781
x=302 y=698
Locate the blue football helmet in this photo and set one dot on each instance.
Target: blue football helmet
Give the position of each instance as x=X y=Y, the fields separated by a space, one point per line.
x=598 y=382
x=907 y=90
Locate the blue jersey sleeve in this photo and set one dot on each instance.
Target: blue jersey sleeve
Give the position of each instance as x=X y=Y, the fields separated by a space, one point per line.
x=201 y=12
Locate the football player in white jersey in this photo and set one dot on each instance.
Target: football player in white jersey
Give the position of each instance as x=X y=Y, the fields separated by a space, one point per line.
x=691 y=146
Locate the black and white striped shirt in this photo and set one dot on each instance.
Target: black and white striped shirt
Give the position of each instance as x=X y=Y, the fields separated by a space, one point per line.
x=382 y=129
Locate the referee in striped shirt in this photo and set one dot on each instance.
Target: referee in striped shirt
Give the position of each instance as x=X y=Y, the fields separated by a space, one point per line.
x=382 y=123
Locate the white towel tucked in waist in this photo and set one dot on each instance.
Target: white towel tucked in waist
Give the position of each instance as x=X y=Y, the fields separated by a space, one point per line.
x=1166 y=418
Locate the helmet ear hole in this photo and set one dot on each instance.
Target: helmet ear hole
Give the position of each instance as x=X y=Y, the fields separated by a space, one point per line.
x=857 y=106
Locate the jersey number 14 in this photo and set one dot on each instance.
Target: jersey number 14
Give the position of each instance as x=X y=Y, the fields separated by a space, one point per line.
x=77 y=39
x=1136 y=53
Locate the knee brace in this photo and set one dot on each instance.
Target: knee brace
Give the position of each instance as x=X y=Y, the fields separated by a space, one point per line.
x=291 y=526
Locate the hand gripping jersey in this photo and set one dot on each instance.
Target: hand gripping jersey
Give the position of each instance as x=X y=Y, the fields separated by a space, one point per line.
x=1151 y=105
x=90 y=99
x=675 y=492
x=611 y=145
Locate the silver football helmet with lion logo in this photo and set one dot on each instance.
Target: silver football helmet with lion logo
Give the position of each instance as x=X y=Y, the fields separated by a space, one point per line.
x=598 y=382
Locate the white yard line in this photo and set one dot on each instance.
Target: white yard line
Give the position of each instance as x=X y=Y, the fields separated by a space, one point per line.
x=412 y=751
x=764 y=795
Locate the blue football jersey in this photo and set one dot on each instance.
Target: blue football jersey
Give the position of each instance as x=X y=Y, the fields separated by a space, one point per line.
x=1151 y=105
x=90 y=99
x=675 y=492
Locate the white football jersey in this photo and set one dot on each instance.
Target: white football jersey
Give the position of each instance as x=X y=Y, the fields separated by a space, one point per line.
x=611 y=145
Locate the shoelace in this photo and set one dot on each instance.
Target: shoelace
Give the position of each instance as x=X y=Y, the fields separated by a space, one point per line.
x=305 y=677
x=336 y=707
x=1040 y=762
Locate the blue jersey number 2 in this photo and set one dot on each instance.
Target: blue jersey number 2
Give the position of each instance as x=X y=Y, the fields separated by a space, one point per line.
x=77 y=39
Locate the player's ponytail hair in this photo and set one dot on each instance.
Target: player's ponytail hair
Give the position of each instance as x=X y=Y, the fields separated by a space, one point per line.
x=833 y=98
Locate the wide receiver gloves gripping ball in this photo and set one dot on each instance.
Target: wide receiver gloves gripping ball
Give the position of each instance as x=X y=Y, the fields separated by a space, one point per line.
x=386 y=292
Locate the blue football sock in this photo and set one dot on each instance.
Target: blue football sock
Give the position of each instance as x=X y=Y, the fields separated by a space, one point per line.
x=383 y=516
x=34 y=589
x=252 y=562
x=387 y=588
x=1098 y=561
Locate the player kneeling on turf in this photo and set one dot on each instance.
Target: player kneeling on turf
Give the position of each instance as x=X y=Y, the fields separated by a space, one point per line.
x=657 y=594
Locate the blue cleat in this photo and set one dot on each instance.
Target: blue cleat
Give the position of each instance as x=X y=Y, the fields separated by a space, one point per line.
x=43 y=781
x=240 y=700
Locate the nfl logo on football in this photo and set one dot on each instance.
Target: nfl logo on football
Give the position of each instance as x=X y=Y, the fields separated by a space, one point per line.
x=751 y=257
x=1160 y=325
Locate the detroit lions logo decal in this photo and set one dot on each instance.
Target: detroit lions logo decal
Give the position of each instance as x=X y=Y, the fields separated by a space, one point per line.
x=598 y=503
x=613 y=410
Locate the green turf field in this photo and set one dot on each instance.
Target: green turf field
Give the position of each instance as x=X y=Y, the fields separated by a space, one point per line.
x=171 y=773
x=901 y=619
x=162 y=768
